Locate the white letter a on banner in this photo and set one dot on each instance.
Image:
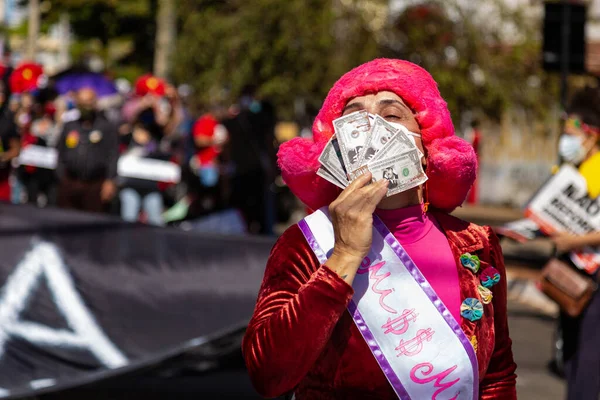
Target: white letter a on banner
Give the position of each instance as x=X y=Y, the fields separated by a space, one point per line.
x=42 y=261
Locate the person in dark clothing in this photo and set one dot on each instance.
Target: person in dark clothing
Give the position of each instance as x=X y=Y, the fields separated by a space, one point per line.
x=251 y=151
x=10 y=145
x=4 y=79
x=137 y=194
x=579 y=145
x=39 y=183
x=88 y=151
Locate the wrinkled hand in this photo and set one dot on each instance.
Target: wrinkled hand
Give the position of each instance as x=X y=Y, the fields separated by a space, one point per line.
x=352 y=217
x=566 y=242
x=108 y=191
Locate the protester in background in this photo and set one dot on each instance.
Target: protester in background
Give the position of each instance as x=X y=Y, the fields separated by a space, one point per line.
x=40 y=183
x=473 y=136
x=187 y=119
x=141 y=194
x=87 y=159
x=209 y=136
x=26 y=111
x=160 y=107
x=171 y=111
x=5 y=77
x=44 y=127
x=203 y=170
x=10 y=145
x=579 y=145
x=302 y=338
x=251 y=151
x=185 y=142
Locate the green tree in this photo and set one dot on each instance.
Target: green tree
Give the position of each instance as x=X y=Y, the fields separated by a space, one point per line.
x=109 y=21
x=287 y=49
x=481 y=64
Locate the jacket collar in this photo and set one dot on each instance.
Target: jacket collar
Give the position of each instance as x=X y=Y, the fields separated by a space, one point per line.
x=462 y=234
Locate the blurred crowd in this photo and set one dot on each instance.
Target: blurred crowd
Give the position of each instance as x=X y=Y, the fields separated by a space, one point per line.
x=140 y=151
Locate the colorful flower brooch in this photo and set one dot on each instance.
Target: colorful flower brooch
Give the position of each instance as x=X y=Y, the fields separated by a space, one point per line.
x=470 y=261
x=471 y=309
x=489 y=277
x=486 y=294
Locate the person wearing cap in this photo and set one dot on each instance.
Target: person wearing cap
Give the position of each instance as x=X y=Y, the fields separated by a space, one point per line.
x=88 y=150
x=374 y=297
x=579 y=145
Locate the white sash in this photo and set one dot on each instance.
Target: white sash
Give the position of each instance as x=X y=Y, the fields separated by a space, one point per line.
x=419 y=346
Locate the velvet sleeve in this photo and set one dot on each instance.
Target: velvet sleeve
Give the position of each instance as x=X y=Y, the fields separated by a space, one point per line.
x=499 y=381
x=298 y=306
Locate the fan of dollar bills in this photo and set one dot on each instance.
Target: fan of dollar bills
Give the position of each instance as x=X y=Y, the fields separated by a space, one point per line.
x=366 y=142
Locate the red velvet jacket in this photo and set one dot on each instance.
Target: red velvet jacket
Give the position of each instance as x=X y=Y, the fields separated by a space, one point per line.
x=302 y=339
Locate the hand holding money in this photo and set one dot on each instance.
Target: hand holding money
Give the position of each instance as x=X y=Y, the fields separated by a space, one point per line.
x=368 y=143
x=352 y=218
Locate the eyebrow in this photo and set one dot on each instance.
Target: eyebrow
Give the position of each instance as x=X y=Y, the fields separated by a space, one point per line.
x=393 y=101
x=357 y=106
x=384 y=102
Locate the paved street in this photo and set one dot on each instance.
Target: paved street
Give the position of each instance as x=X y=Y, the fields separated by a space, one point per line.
x=532 y=344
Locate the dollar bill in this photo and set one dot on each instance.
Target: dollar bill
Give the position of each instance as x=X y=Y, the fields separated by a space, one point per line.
x=331 y=158
x=358 y=172
x=329 y=177
x=385 y=137
x=403 y=171
x=352 y=131
x=399 y=144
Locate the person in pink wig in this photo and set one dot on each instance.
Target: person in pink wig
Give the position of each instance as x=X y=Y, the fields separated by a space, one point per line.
x=307 y=336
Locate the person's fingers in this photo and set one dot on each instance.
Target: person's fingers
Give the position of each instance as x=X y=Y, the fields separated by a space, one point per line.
x=348 y=202
x=359 y=182
x=374 y=195
x=363 y=198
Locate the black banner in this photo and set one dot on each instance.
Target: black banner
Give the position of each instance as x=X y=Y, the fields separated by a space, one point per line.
x=86 y=297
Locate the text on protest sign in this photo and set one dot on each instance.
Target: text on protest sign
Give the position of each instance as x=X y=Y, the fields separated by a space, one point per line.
x=563 y=205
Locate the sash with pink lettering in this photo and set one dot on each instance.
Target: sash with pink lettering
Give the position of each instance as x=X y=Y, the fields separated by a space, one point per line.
x=418 y=344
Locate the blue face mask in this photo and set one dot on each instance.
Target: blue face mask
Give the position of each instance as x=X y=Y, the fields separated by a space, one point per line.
x=209 y=176
x=571 y=149
x=251 y=104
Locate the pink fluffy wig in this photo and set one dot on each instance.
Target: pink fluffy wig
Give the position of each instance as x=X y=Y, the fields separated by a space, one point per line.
x=451 y=161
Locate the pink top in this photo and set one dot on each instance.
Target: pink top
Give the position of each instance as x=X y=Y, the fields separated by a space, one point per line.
x=424 y=241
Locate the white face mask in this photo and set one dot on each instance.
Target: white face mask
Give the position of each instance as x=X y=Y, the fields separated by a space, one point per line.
x=411 y=135
x=571 y=149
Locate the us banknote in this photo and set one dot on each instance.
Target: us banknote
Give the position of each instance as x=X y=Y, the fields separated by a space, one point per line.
x=403 y=171
x=328 y=176
x=352 y=131
x=385 y=138
x=331 y=158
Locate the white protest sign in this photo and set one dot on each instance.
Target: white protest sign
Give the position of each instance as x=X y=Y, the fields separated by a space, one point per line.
x=564 y=206
x=39 y=156
x=131 y=166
